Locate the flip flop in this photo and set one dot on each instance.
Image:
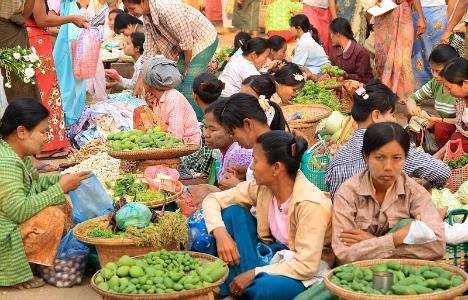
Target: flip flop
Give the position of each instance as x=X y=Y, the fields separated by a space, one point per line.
x=34 y=283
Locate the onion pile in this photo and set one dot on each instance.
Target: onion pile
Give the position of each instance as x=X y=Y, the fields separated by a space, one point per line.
x=65 y=272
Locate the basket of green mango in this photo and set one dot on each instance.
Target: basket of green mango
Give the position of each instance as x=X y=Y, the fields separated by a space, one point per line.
x=412 y=279
x=152 y=144
x=161 y=275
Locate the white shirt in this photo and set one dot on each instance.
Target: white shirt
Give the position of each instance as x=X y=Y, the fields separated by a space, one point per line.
x=317 y=3
x=130 y=83
x=309 y=54
x=431 y=3
x=237 y=69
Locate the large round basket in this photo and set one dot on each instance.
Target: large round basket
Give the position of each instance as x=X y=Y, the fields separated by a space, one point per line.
x=111 y=249
x=447 y=294
x=311 y=115
x=205 y=293
x=154 y=153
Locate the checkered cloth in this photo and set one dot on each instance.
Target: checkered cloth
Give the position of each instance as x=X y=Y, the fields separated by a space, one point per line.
x=348 y=161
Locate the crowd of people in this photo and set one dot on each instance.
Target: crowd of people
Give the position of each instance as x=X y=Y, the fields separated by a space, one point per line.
x=410 y=55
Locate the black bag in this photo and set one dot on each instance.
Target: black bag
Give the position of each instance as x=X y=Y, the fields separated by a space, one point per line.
x=428 y=142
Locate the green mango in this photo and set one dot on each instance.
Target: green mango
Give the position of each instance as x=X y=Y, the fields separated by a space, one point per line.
x=443 y=283
x=430 y=275
x=379 y=268
x=456 y=280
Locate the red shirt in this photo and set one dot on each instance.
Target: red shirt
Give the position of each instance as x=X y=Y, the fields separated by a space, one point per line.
x=355 y=61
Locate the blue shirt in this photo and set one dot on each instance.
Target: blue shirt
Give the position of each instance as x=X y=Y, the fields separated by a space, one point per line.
x=309 y=54
x=348 y=161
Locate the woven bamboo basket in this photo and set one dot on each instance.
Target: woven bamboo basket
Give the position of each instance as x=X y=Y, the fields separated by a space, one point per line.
x=111 y=249
x=350 y=295
x=154 y=153
x=205 y=293
x=311 y=115
x=172 y=163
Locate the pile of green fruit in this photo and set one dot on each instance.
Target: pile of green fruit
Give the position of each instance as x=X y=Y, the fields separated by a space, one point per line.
x=459 y=162
x=137 y=140
x=313 y=93
x=158 y=273
x=333 y=71
x=135 y=190
x=407 y=280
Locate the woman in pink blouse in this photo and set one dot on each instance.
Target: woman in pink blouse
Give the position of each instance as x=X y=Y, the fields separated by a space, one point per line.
x=369 y=204
x=167 y=107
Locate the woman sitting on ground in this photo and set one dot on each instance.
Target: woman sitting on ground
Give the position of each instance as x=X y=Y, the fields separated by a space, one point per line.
x=254 y=55
x=127 y=24
x=347 y=54
x=369 y=204
x=167 y=107
x=292 y=214
x=133 y=47
x=31 y=223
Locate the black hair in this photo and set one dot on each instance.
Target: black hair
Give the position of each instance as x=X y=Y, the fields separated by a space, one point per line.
x=377 y=96
x=240 y=39
x=116 y=11
x=286 y=74
x=284 y=147
x=138 y=40
x=132 y=1
x=207 y=87
x=342 y=26
x=242 y=106
x=216 y=108
x=22 y=112
x=255 y=45
x=456 y=71
x=276 y=42
x=380 y=134
x=261 y=84
x=301 y=21
x=442 y=54
x=122 y=21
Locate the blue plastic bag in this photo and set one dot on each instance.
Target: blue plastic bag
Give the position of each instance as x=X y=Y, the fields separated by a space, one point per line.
x=90 y=200
x=71 y=247
x=133 y=214
x=199 y=238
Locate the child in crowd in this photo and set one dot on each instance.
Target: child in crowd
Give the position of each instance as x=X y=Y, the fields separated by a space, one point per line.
x=277 y=18
x=111 y=18
x=166 y=107
x=133 y=47
x=127 y=24
x=254 y=55
x=308 y=52
x=443 y=126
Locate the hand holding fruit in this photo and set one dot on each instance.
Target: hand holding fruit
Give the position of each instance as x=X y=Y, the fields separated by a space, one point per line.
x=227 y=248
x=70 y=182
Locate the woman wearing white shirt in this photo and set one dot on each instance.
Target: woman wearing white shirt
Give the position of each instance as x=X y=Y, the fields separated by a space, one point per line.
x=254 y=54
x=308 y=52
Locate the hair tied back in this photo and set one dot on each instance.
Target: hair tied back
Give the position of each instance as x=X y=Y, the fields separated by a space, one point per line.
x=362 y=93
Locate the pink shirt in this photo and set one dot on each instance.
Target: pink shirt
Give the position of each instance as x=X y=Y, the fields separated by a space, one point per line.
x=174 y=110
x=278 y=219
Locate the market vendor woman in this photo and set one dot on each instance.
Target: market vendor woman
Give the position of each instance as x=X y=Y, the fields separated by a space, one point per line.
x=31 y=225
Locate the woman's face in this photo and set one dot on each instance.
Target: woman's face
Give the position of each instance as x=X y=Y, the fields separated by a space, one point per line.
x=259 y=60
x=280 y=54
x=334 y=38
x=127 y=31
x=457 y=90
x=263 y=172
x=129 y=49
x=294 y=31
x=151 y=96
x=287 y=92
x=33 y=140
x=245 y=135
x=138 y=10
x=435 y=70
x=215 y=135
x=386 y=163
x=112 y=20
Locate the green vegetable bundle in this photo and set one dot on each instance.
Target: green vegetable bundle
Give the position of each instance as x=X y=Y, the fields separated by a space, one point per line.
x=459 y=162
x=333 y=71
x=222 y=54
x=407 y=280
x=158 y=272
x=314 y=93
x=137 y=140
x=135 y=189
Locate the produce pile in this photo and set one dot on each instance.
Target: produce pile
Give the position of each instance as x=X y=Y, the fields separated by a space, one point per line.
x=101 y=164
x=166 y=228
x=135 y=190
x=328 y=83
x=333 y=71
x=459 y=162
x=92 y=148
x=222 y=55
x=158 y=272
x=64 y=272
x=407 y=280
x=313 y=93
x=445 y=198
x=138 y=140
x=336 y=128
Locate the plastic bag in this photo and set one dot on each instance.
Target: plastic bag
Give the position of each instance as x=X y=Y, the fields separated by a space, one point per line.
x=133 y=214
x=199 y=238
x=453 y=150
x=419 y=233
x=85 y=53
x=456 y=233
x=3 y=99
x=428 y=142
x=69 y=265
x=90 y=200
x=152 y=175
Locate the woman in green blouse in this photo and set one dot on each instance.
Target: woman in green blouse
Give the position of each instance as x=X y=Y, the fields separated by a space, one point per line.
x=31 y=226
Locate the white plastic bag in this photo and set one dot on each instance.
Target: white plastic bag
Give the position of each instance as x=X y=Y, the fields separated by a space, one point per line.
x=456 y=233
x=419 y=233
x=3 y=98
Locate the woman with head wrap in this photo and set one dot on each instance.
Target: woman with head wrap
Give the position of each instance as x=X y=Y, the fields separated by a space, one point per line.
x=166 y=107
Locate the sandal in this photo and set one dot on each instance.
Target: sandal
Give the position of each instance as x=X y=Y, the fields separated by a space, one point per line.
x=34 y=283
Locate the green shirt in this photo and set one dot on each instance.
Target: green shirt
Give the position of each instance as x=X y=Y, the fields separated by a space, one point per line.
x=278 y=14
x=444 y=103
x=23 y=194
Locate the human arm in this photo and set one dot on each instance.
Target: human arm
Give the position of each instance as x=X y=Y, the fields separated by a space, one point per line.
x=424 y=93
x=187 y=60
x=28 y=8
x=421 y=25
x=422 y=165
x=50 y=20
x=458 y=11
x=332 y=8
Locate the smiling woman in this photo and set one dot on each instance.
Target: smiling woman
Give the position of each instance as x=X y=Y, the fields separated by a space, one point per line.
x=369 y=204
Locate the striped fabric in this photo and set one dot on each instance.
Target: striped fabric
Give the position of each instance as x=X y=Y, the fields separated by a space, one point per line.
x=444 y=103
x=23 y=194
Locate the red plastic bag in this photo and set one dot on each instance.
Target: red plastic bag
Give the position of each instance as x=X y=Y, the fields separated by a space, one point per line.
x=453 y=150
x=151 y=174
x=85 y=53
